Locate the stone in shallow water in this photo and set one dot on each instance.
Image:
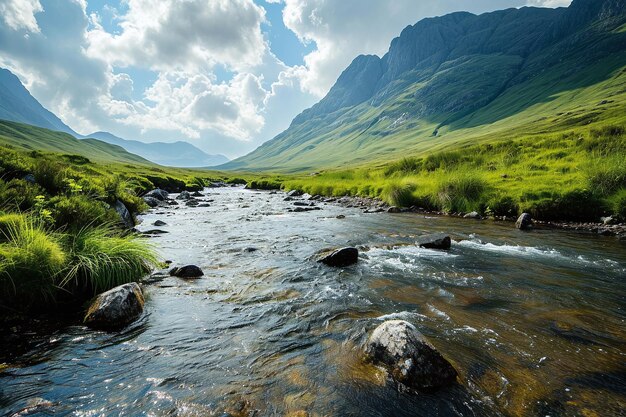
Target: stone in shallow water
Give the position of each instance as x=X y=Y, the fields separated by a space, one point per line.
x=341 y=257
x=435 y=242
x=115 y=308
x=409 y=357
x=159 y=223
x=524 y=222
x=187 y=271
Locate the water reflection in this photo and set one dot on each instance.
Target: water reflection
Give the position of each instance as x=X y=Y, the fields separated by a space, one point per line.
x=534 y=322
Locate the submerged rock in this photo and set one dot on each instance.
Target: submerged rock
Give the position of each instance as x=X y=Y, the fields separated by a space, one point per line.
x=341 y=257
x=115 y=308
x=124 y=214
x=524 y=222
x=435 y=242
x=187 y=271
x=159 y=223
x=409 y=357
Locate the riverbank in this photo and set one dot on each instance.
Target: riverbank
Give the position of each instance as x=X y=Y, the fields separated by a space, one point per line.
x=375 y=205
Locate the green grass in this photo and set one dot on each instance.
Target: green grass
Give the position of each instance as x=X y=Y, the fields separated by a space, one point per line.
x=40 y=266
x=578 y=174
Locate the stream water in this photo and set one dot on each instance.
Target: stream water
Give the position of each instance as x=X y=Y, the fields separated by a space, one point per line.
x=534 y=322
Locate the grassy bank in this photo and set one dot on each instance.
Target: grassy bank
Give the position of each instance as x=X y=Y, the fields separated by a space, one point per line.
x=574 y=175
x=61 y=239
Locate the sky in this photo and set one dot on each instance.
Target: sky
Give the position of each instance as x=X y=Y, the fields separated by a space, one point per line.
x=225 y=75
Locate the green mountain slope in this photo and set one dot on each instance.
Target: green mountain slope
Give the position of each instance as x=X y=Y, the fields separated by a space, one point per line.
x=462 y=79
x=26 y=137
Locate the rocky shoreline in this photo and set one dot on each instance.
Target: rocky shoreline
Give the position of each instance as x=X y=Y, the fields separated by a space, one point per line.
x=373 y=205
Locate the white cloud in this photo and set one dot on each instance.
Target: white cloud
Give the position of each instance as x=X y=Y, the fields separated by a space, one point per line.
x=549 y=3
x=187 y=35
x=20 y=14
x=191 y=103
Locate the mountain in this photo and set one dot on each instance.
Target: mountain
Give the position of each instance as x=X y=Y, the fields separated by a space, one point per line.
x=30 y=138
x=16 y=104
x=177 y=154
x=463 y=78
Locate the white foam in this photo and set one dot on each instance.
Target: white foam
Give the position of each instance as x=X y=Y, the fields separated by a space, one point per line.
x=402 y=315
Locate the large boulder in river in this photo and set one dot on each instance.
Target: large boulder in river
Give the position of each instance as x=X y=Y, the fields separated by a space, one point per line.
x=124 y=214
x=157 y=193
x=184 y=195
x=115 y=308
x=409 y=357
x=435 y=242
x=341 y=257
x=151 y=201
x=187 y=271
x=524 y=222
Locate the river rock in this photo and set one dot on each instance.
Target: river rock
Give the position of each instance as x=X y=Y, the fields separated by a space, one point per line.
x=192 y=202
x=472 y=215
x=197 y=194
x=124 y=214
x=435 y=242
x=409 y=357
x=184 y=195
x=115 y=308
x=294 y=193
x=608 y=220
x=524 y=222
x=157 y=193
x=151 y=201
x=394 y=209
x=159 y=223
x=341 y=257
x=187 y=271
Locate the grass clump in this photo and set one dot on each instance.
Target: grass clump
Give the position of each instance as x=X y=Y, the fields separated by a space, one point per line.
x=31 y=261
x=39 y=266
x=101 y=258
x=461 y=192
x=400 y=195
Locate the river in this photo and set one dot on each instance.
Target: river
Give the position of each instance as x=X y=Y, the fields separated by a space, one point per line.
x=533 y=321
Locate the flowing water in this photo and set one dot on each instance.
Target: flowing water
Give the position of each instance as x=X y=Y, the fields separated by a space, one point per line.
x=533 y=322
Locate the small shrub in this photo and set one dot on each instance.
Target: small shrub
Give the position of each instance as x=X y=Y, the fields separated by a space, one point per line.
x=502 y=206
x=619 y=205
x=79 y=211
x=18 y=195
x=578 y=205
x=264 y=184
x=50 y=175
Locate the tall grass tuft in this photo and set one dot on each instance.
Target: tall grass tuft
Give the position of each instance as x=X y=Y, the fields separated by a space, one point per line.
x=607 y=175
x=100 y=259
x=31 y=260
x=461 y=192
x=400 y=195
